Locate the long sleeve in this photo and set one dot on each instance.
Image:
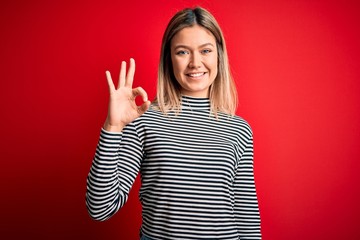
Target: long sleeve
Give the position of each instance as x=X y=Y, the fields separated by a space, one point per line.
x=114 y=168
x=197 y=179
x=246 y=203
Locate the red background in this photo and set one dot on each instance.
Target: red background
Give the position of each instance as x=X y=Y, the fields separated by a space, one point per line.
x=296 y=64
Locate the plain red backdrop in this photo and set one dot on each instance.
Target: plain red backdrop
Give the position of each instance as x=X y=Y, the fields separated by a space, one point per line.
x=296 y=64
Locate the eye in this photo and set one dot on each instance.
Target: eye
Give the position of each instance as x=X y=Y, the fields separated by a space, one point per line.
x=206 y=51
x=181 y=52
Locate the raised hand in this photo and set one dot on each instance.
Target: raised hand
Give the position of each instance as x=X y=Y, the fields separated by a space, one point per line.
x=122 y=107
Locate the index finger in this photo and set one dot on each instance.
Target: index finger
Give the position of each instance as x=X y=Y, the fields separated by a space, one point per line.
x=139 y=91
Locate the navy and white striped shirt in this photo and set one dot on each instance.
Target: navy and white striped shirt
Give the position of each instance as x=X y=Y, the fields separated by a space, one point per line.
x=197 y=179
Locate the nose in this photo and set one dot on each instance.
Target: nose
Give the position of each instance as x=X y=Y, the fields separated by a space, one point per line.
x=195 y=60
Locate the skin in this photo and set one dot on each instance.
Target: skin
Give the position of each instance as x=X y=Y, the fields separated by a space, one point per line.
x=194 y=59
x=122 y=107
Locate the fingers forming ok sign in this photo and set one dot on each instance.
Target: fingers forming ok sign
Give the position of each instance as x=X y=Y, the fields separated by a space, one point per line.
x=122 y=106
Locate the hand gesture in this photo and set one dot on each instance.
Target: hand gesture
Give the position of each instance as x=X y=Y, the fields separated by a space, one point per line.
x=122 y=107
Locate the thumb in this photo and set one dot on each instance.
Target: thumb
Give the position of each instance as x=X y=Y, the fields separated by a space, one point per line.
x=144 y=107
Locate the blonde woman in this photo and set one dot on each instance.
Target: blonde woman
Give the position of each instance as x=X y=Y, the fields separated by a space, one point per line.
x=194 y=155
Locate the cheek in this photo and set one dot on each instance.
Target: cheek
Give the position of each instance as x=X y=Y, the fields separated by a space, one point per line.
x=214 y=66
x=178 y=67
x=174 y=65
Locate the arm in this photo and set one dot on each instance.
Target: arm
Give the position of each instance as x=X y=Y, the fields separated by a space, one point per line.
x=246 y=203
x=114 y=169
x=119 y=151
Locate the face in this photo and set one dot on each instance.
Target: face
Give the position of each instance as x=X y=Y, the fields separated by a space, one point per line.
x=194 y=60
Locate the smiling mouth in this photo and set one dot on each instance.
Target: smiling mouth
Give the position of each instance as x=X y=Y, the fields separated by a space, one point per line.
x=195 y=75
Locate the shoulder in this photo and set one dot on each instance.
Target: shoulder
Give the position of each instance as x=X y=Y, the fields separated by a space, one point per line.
x=238 y=124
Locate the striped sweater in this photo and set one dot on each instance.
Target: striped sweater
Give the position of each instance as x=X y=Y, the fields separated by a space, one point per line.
x=196 y=171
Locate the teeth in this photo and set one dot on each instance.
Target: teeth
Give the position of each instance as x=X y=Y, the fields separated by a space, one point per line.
x=195 y=74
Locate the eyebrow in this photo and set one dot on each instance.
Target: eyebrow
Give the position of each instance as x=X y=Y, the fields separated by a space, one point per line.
x=201 y=46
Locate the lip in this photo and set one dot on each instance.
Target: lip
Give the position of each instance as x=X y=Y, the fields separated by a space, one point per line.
x=195 y=74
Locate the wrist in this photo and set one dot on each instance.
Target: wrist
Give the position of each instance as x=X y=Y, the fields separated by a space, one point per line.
x=113 y=128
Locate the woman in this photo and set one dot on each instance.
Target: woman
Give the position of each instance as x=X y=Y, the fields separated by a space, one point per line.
x=194 y=155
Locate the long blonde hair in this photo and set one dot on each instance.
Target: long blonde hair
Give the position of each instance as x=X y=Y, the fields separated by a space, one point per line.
x=222 y=93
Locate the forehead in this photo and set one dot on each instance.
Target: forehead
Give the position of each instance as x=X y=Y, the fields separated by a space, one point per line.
x=193 y=36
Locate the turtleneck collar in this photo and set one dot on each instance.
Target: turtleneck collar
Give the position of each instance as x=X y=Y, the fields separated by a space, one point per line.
x=195 y=103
